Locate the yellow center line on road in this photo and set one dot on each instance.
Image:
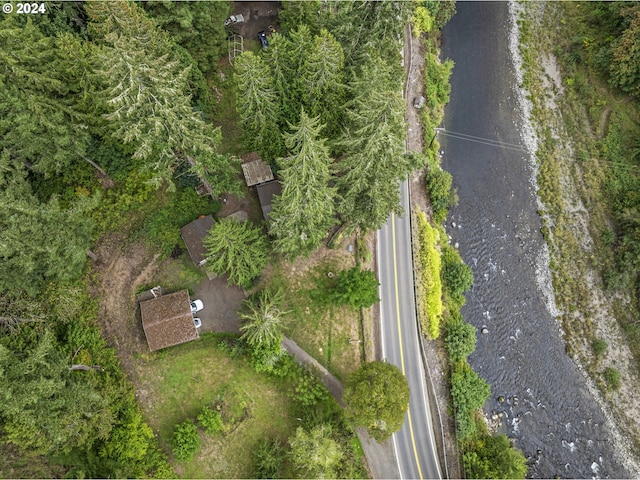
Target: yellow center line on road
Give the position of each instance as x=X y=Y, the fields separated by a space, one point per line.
x=395 y=279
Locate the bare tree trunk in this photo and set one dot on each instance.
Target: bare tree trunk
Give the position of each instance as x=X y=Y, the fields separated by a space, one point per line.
x=95 y=165
x=104 y=176
x=92 y=255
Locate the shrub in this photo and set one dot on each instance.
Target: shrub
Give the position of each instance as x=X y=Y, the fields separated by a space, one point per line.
x=612 y=377
x=211 y=420
x=422 y=21
x=439 y=190
x=457 y=277
x=162 y=227
x=429 y=283
x=460 y=339
x=268 y=457
x=599 y=346
x=494 y=457
x=309 y=390
x=356 y=288
x=468 y=392
x=186 y=440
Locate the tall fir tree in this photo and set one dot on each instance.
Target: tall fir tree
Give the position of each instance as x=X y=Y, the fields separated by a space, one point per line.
x=238 y=249
x=39 y=242
x=196 y=26
x=374 y=161
x=304 y=212
x=257 y=104
x=145 y=88
x=39 y=121
x=284 y=74
x=321 y=80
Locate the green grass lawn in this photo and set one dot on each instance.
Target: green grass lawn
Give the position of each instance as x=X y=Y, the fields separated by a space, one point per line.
x=179 y=381
x=323 y=330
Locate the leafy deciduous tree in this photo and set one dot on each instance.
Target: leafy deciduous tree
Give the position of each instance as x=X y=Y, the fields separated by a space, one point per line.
x=376 y=398
x=356 y=288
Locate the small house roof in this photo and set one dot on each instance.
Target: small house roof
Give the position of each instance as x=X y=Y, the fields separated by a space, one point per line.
x=167 y=320
x=255 y=169
x=266 y=191
x=193 y=234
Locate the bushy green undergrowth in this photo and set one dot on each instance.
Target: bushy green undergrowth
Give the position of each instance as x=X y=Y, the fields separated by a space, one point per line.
x=186 y=440
x=211 y=420
x=429 y=287
x=122 y=444
x=493 y=456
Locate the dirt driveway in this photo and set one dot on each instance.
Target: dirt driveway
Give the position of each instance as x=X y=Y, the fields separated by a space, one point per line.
x=120 y=270
x=221 y=303
x=257 y=17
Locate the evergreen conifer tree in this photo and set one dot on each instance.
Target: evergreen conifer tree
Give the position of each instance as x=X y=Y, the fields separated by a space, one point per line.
x=304 y=212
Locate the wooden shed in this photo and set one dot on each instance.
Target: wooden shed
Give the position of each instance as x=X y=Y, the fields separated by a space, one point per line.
x=255 y=169
x=167 y=320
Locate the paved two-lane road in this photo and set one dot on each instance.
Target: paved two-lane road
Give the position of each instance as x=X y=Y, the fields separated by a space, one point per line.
x=414 y=444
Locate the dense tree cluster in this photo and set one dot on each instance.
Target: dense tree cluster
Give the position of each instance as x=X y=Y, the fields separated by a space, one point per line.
x=96 y=102
x=347 y=76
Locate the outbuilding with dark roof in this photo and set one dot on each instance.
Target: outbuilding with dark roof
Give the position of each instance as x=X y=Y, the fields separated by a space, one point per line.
x=193 y=235
x=167 y=320
x=266 y=192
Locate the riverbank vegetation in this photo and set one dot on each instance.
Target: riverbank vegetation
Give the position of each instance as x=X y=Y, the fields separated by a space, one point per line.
x=583 y=62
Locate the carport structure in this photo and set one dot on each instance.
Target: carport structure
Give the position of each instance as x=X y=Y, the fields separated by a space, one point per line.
x=167 y=320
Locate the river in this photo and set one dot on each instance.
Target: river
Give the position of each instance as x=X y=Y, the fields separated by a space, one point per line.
x=547 y=407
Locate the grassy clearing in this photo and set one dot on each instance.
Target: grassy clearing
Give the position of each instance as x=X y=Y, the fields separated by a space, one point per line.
x=227 y=117
x=323 y=330
x=178 y=382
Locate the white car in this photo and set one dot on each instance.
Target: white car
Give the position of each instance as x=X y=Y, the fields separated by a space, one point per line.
x=196 y=306
x=197 y=322
x=233 y=19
